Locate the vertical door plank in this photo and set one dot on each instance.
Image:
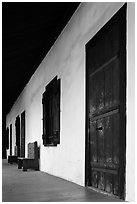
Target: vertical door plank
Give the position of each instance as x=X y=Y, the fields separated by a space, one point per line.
x=101 y=180
x=115 y=185
x=94 y=178
x=92 y=96
x=100 y=139
x=108 y=139
x=93 y=142
x=108 y=183
x=115 y=79
x=116 y=139
x=100 y=90
x=108 y=85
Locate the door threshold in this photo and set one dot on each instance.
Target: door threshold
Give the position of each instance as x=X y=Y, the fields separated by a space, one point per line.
x=103 y=192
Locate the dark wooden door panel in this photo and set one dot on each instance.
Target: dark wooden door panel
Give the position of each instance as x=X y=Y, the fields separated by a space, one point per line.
x=116 y=136
x=100 y=90
x=104 y=88
x=104 y=141
x=108 y=132
x=100 y=139
x=105 y=56
x=93 y=142
x=101 y=53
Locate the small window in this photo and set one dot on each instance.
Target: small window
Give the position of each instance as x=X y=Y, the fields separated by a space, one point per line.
x=7 y=138
x=51 y=113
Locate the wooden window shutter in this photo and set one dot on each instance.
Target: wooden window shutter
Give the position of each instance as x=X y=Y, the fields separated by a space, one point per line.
x=56 y=111
x=7 y=138
x=51 y=113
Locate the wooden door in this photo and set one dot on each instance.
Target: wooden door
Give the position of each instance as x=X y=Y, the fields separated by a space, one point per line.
x=22 y=152
x=106 y=90
x=10 y=139
x=17 y=125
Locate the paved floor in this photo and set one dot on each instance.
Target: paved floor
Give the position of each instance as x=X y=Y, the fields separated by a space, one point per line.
x=36 y=186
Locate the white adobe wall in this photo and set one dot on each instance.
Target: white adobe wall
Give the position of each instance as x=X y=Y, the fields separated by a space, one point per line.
x=67 y=60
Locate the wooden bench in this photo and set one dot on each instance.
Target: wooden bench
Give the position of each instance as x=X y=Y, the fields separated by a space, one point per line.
x=32 y=162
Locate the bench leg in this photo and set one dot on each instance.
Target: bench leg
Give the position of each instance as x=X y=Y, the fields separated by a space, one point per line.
x=36 y=166
x=10 y=161
x=19 y=164
x=37 y=169
x=24 y=169
x=25 y=165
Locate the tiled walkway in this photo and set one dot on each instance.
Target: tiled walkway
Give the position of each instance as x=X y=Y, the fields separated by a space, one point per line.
x=36 y=186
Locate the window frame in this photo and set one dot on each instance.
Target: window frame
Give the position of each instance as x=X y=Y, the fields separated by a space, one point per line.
x=51 y=134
